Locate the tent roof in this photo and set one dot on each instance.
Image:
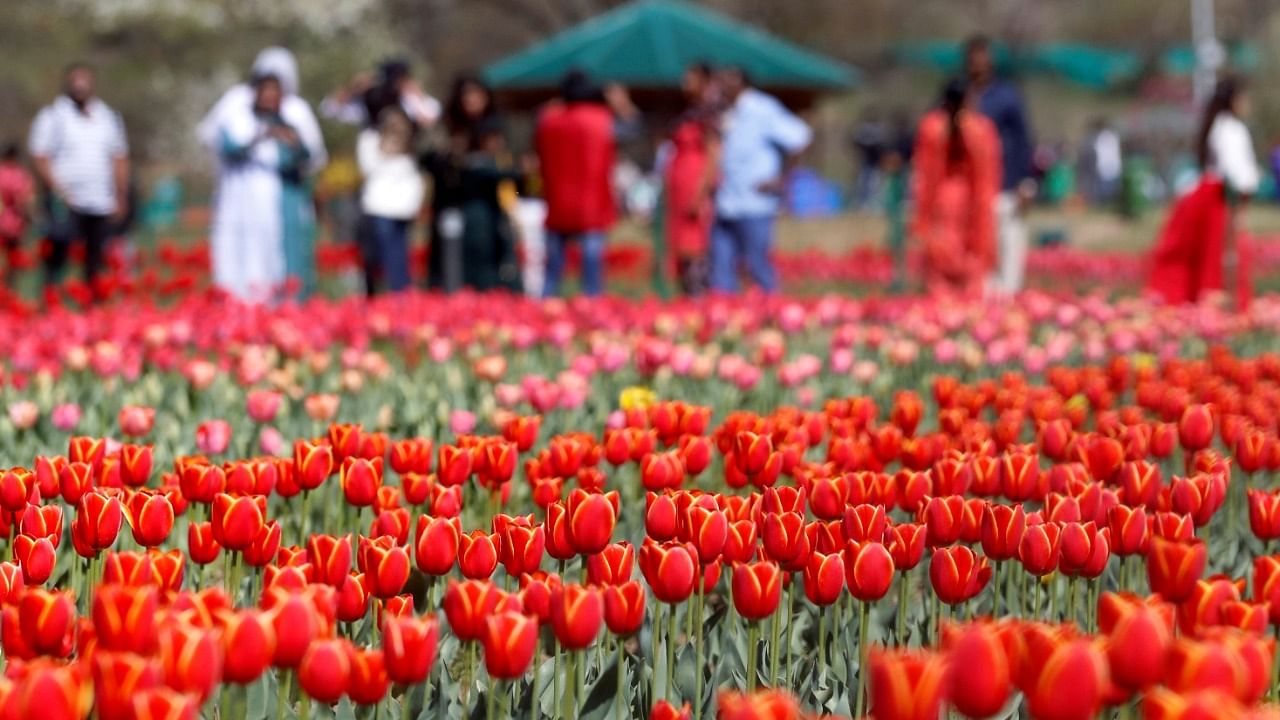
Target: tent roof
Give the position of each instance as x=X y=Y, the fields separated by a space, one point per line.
x=1091 y=66
x=649 y=43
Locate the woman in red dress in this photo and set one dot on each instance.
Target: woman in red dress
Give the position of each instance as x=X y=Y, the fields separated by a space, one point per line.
x=690 y=180
x=956 y=178
x=1200 y=251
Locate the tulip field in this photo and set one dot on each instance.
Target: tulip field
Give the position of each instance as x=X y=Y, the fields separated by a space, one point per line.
x=1061 y=508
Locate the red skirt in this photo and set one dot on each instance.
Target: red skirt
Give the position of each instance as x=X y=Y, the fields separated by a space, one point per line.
x=1187 y=262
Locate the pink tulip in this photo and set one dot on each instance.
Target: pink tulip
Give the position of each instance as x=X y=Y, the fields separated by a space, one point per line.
x=262 y=405
x=462 y=422
x=65 y=416
x=213 y=437
x=24 y=414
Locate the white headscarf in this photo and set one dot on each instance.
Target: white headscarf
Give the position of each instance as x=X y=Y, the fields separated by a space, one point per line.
x=280 y=63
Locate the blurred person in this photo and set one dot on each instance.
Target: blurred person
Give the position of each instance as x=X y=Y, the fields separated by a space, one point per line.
x=1002 y=102
x=690 y=177
x=576 y=140
x=956 y=177
x=362 y=100
x=760 y=142
x=1101 y=163
x=1202 y=248
x=896 y=168
x=473 y=194
x=268 y=145
x=81 y=158
x=871 y=139
x=337 y=192
x=530 y=218
x=390 y=198
x=17 y=196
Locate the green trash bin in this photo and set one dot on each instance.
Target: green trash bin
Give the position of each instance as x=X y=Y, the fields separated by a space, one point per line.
x=161 y=210
x=1133 y=183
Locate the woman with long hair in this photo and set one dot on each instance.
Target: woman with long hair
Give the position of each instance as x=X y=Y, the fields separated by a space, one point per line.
x=1200 y=250
x=956 y=179
x=690 y=180
x=473 y=181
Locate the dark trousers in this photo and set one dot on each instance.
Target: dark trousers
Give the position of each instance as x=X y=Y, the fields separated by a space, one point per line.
x=92 y=230
x=391 y=238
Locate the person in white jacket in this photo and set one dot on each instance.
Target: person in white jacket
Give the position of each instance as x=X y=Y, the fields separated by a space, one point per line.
x=391 y=197
x=267 y=142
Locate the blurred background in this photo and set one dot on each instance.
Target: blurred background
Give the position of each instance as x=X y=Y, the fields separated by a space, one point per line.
x=1130 y=63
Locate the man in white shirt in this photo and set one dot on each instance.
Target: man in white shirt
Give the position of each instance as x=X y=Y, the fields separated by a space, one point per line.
x=760 y=140
x=81 y=158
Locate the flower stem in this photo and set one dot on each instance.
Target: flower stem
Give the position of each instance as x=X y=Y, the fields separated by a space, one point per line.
x=863 y=638
x=622 y=675
x=671 y=651
x=697 y=655
x=900 y=626
x=753 y=632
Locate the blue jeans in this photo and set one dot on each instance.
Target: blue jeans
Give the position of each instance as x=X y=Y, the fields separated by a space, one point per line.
x=592 y=244
x=736 y=242
x=391 y=240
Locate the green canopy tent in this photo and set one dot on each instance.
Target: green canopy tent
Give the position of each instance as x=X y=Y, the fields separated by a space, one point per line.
x=1181 y=60
x=647 y=45
x=1087 y=65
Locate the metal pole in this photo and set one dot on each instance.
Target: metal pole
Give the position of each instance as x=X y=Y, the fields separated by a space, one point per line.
x=1208 y=51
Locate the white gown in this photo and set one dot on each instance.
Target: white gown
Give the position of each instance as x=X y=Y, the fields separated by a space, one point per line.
x=247 y=237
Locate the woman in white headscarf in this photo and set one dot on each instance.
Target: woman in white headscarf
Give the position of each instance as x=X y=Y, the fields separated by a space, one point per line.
x=268 y=145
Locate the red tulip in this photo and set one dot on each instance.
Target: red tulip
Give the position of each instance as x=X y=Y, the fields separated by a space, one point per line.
x=150 y=516
x=248 y=644
x=325 y=670
x=1174 y=566
x=981 y=677
x=409 y=645
x=386 y=569
x=906 y=685
x=824 y=578
x=612 y=565
x=162 y=703
x=958 y=574
x=297 y=624
x=624 y=608
x=47 y=621
x=466 y=604
x=312 y=464
x=660 y=519
x=1070 y=681
x=191 y=658
x=1002 y=529
x=906 y=545
x=237 y=521
x=201 y=545
x=330 y=559
x=36 y=557
x=436 y=542
x=478 y=554
x=124 y=618
x=576 y=614
x=368 y=682
x=757 y=589
x=868 y=570
x=510 y=642
x=1130 y=534
x=1196 y=428
x=669 y=569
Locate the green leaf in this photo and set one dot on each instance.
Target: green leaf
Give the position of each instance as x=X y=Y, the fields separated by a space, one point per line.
x=258 y=695
x=345 y=710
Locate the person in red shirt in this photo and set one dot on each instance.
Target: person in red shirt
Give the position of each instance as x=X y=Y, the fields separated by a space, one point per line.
x=576 y=143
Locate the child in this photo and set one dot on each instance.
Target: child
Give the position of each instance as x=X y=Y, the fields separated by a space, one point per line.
x=17 y=191
x=391 y=198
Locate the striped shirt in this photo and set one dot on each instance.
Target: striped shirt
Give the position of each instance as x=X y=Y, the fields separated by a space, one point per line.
x=81 y=147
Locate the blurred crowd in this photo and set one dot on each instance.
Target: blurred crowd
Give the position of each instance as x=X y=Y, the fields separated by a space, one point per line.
x=957 y=182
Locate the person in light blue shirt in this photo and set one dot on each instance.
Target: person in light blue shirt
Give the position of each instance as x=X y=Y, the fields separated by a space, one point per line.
x=760 y=139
